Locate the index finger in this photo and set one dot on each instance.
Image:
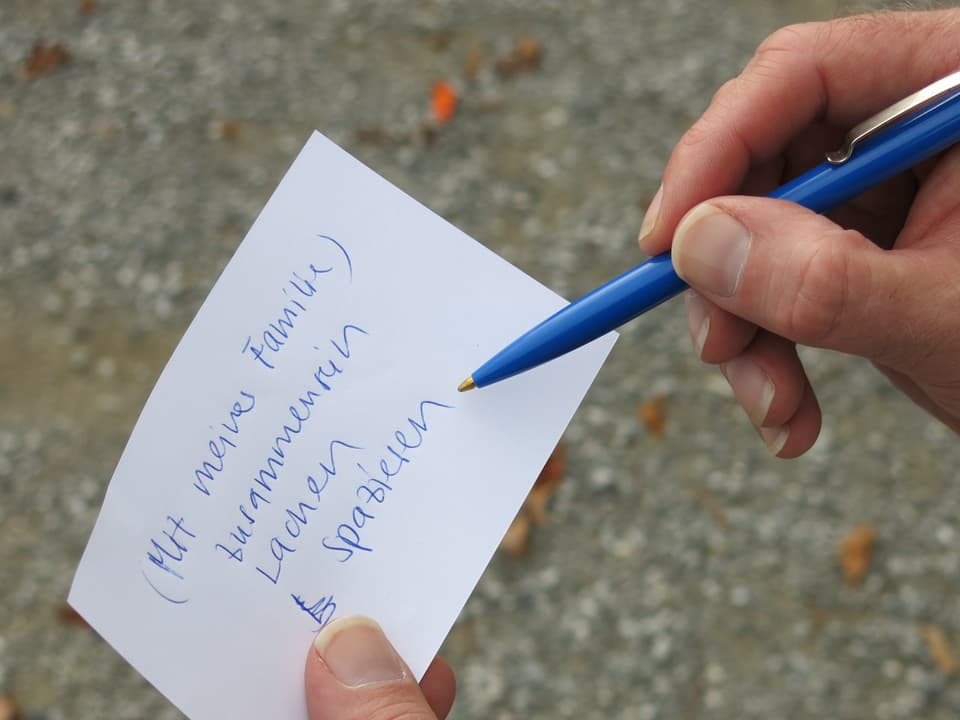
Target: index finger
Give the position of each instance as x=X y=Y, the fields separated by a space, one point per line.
x=839 y=72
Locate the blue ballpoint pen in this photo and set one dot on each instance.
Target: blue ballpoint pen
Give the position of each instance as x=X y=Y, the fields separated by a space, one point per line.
x=917 y=127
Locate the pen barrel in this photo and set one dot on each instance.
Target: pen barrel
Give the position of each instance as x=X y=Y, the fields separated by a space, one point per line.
x=889 y=153
x=592 y=316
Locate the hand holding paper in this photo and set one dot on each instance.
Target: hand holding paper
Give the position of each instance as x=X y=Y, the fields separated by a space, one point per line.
x=354 y=673
x=305 y=455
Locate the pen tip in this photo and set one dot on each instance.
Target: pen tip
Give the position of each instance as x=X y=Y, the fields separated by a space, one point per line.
x=467 y=384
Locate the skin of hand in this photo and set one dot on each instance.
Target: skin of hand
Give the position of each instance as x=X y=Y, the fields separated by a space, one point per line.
x=878 y=277
x=354 y=673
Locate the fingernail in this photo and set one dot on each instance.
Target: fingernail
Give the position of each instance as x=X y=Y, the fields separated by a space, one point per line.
x=752 y=387
x=775 y=438
x=710 y=250
x=358 y=653
x=698 y=321
x=651 y=215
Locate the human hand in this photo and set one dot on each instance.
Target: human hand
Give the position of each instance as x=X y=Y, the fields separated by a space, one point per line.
x=879 y=277
x=353 y=673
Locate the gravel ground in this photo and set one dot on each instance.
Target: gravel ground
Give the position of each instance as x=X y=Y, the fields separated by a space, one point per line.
x=686 y=575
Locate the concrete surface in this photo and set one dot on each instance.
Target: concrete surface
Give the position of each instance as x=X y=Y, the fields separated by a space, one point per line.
x=682 y=576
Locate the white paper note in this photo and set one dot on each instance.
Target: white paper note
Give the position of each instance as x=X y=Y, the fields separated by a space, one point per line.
x=305 y=454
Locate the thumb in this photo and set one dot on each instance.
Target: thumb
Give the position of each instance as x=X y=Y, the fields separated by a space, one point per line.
x=354 y=673
x=802 y=277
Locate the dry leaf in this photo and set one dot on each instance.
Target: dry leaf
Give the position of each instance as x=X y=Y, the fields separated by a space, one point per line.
x=223 y=129
x=8 y=708
x=529 y=52
x=939 y=649
x=375 y=136
x=856 y=550
x=536 y=505
x=440 y=40
x=443 y=102
x=474 y=62
x=428 y=133
x=534 y=509
x=553 y=470
x=652 y=415
x=516 y=541
x=525 y=57
x=68 y=616
x=88 y=7
x=45 y=59
x=546 y=484
x=488 y=104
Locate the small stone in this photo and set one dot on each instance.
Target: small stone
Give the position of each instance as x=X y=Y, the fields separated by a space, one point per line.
x=740 y=596
x=555 y=117
x=945 y=535
x=106 y=367
x=713 y=698
x=714 y=674
x=892 y=669
x=661 y=647
x=150 y=283
x=9 y=195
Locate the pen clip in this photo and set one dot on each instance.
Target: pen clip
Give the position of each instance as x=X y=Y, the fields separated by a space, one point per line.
x=883 y=119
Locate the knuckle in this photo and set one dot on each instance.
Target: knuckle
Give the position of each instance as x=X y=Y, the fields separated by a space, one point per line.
x=710 y=129
x=704 y=131
x=726 y=91
x=784 y=45
x=819 y=307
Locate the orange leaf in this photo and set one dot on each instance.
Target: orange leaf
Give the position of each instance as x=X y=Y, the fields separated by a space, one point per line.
x=940 y=651
x=856 y=549
x=88 y=7
x=443 y=102
x=45 y=58
x=652 y=415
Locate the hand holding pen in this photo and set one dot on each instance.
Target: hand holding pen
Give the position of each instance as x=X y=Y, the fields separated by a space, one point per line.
x=768 y=274
x=761 y=129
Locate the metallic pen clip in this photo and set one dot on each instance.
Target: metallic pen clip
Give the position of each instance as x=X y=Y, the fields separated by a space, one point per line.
x=892 y=114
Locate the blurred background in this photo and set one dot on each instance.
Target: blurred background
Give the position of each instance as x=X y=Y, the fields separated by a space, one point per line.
x=675 y=571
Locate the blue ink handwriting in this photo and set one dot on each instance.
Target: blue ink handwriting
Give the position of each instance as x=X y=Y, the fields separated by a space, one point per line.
x=301 y=412
x=204 y=474
x=286 y=543
x=299 y=288
x=373 y=491
x=172 y=548
x=322 y=610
